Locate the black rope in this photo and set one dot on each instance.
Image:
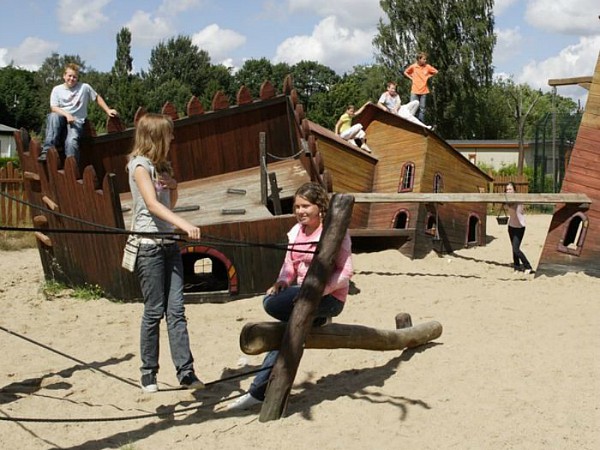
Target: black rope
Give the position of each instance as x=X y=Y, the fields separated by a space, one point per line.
x=139 y=416
x=121 y=418
x=106 y=229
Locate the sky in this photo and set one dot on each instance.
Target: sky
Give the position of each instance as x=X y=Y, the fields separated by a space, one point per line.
x=537 y=40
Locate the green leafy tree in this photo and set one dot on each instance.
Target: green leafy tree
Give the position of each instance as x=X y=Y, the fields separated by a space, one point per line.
x=126 y=89
x=311 y=78
x=458 y=36
x=20 y=104
x=253 y=73
x=123 y=65
x=371 y=81
x=173 y=91
x=328 y=106
x=179 y=59
x=220 y=77
x=102 y=84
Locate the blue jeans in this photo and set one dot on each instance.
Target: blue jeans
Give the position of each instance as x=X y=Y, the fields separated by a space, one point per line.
x=59 y=133
x=422 y=100
x=280 y=307
x=160 y=272
x=516 y=237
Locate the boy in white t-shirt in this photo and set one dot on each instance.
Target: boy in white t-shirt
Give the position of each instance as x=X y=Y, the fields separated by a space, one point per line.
x=68 y=105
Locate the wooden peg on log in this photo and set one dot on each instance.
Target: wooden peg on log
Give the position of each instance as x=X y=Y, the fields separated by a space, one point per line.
x=310 y=294
x=262 y=337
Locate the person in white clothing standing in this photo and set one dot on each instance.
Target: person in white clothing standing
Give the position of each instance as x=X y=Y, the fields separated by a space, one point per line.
x=516 y=231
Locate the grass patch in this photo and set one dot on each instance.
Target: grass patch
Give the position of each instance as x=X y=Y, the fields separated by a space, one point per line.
x=54 y=289
x=17 y=240
x=88 y=292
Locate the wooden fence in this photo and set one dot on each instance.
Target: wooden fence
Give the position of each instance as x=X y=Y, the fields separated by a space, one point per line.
x=520 y=181
x=12 y=212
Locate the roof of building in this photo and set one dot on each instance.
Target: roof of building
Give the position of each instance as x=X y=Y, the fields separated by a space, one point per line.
x=6 y=129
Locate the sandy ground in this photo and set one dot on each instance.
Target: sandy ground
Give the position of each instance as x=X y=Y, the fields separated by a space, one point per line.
x=517 y=365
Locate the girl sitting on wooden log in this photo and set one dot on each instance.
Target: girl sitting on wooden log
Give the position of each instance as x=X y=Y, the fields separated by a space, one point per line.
x=310 y=206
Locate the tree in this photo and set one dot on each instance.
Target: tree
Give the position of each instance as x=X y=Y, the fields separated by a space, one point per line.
x=52 y=69
x=126 y=90
x=20 y=104
x=521 y=100
x=123 y=65
x=173 y=91
x=101 y=82
x=311 y=78
x=253 y=73
x=179 y=59
x=458 y=36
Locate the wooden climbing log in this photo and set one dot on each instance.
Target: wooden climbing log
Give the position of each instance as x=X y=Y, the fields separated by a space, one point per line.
x=261 y=337
x=310 y=294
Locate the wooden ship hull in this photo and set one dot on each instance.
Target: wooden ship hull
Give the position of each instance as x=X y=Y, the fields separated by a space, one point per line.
x=415 y=228
x=226 y=160
x=573 y=240
x=238 y=167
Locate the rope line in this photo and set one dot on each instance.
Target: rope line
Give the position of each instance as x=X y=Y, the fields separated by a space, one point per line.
x=286 y=158
x=139 y=416
x=120 y=418
x=106 y=229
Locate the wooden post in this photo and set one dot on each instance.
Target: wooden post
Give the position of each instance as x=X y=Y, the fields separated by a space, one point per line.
x=262 y=145
x=292 y=345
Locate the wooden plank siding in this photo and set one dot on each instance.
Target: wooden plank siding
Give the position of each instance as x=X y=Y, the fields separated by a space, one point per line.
x=209 y=144
x=352 y=169
x=582 y=176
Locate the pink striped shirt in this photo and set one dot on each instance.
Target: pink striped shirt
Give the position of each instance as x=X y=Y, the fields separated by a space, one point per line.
x=295 y=265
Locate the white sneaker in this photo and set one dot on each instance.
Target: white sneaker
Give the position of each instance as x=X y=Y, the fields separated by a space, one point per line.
x=366 y=148
x=246 y=401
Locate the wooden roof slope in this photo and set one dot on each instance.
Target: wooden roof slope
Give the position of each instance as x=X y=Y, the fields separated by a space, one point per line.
x=371 y=112
x=582 y=176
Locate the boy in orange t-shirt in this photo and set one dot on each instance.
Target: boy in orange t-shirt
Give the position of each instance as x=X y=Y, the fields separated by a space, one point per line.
x=419 y=72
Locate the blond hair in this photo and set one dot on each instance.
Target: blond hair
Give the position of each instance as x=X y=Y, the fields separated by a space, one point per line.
x=74 y=67
x=153 y=135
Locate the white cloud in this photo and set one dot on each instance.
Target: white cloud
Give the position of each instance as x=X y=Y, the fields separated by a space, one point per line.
x=29 y=54
x=502 y=5
x=4 y=60
x=218 y=42
x=172 y=7
x=577 y=17
x=352 y=13
x=76 y=16
x=330 y=44
x=146 y=30
x=577 y=60
x=508 y=45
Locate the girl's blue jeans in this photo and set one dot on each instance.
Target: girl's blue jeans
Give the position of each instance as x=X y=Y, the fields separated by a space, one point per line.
x=280 y=307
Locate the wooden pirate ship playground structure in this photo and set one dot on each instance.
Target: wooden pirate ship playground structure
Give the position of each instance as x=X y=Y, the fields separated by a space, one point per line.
x=238 y=166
